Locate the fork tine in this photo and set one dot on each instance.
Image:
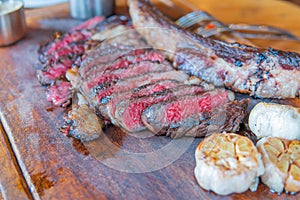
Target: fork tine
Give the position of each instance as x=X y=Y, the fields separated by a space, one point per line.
x=211 y=32
x=264 y=31
x=192 y=18
x=203 y=19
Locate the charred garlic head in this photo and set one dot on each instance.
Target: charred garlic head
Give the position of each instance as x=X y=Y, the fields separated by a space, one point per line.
x=228 y=163
x=281 y=159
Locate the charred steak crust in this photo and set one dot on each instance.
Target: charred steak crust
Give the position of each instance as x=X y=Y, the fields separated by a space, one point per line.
x=265 y=73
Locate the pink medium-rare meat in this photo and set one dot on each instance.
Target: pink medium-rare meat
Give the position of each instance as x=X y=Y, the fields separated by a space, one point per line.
x=126 y=66
x=161 y=116
x=118 y=81
x=131 y=70
x=60 y=93
x=110 y=108
x=66 y=51
x=146 y=90
x=127 y=40
x=128 y=112
x=113 y=78
x=224 y=118
x=58 y=55
x=196 y=115
x=264 y=73
x=103 y=93
x=123 y=60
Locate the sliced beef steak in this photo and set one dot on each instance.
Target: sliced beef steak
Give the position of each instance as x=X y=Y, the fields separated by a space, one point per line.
x=109 y=109
x=186 y=112
x=119 y=70
x=67 y=50
x=126 y=81
x=226 y=117
x=159 y=86
x=113 y=76
x=60 y=93
x=58 y=56
x=101 y=56
x=128 y=112
x=103 y=92
x=126 y=41
x=138 y=81
x=123 y=60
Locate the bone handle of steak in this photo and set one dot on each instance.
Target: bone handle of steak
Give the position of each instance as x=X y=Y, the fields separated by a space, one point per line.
x=259 y=72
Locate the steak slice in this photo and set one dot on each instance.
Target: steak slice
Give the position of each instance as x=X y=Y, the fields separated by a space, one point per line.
x=130 y=70
x=226 y=117
x=65 y=52
x=108 y=110
x=103 y=92
x=128 y=112
x=183 y=111
x=57 y=56
x=123 y=60
x=60 y=93
x=110 y=49
x=102 y=55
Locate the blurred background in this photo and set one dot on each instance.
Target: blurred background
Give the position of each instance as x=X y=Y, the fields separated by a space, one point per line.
x=38 y=3
x=295 y=1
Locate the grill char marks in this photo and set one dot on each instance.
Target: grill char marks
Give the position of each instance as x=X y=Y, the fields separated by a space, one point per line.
x=128 y=112
x=265 y=73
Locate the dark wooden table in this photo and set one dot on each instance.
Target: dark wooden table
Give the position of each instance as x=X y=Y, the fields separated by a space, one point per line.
x=38 y=162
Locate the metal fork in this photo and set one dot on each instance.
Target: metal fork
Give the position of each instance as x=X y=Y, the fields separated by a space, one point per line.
x=206 y=25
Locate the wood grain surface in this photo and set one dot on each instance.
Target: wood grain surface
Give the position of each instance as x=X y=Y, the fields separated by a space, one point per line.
x=58 y=167
x=12 y=183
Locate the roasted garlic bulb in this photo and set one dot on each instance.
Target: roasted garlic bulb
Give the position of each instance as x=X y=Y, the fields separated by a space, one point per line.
x=228 y=163
x=281 y=159
x=270 y=119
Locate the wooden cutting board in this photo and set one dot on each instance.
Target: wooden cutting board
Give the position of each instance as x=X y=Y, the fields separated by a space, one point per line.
x=57 y=167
